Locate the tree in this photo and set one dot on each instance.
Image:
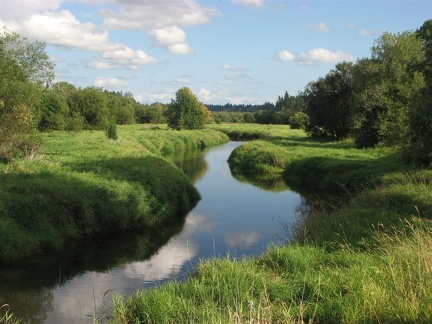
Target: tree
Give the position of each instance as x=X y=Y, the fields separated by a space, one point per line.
x=420 y=128
x=91 y=104
x=53 y=111
x=299 y=120
x=186 y=111
x=328 y=103
x=385 y=86
x=31 y=57
x=24 y=70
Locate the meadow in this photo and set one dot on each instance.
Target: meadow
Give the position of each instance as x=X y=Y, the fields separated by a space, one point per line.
x=83 y=184
x=362 y=250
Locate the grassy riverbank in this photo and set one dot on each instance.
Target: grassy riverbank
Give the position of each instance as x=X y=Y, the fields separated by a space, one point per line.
x=84 y=184
x=365 y=256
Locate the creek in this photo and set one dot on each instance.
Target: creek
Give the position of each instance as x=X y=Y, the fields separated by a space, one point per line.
x=235 y=217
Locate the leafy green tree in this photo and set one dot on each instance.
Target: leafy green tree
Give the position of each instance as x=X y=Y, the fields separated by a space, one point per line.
x=186 y=111
x=420 y=129
x=249 y=118
x=385 y=87
x=91 y=104
x=31 y=57
x=328 y=104
x=53 y=111
x=299 y=120
x=24 y=71
x=151 y=114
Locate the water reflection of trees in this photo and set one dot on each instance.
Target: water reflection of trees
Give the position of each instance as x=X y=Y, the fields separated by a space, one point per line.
x=192 y=163
x=270 y=182
x=30 y=306
x=27 y=286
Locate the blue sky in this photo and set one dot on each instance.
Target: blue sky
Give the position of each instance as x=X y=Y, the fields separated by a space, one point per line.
x=236 y=51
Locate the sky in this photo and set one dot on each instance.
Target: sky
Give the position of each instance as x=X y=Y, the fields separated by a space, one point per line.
x=225 y=51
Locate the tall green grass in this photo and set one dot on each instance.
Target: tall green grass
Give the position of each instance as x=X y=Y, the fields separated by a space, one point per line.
x=299 y=284
x=363 y=256
x=85 y=184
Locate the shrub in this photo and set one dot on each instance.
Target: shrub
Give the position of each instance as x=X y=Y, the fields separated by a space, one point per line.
x=111 y=131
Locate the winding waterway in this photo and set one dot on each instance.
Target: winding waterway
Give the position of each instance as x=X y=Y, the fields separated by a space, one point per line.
x=232 y=217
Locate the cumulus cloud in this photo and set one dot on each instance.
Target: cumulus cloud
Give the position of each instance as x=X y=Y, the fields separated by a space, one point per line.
x=43 y=20
x=18 y=10
x=63 y=29
x=286 y=56
x=162 y=21
x=173 y=38
x=316 y=55
x=319 y=27
x=249 y=3
x=122 y=57
x=148 y=15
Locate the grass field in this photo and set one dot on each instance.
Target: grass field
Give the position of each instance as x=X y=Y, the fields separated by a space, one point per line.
x=84 y=184
x=362 y=256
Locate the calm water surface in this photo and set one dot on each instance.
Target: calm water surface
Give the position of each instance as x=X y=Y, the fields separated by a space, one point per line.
x=234 y=217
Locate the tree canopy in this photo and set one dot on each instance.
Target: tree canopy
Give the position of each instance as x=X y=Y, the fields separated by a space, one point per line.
x=186 y=111
x=385 y=99
x=24 y=70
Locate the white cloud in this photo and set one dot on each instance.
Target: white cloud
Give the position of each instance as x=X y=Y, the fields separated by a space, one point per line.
x=182 y=80
x=241 y=240
x=316 y=55
x=173 y=38
x=205 y=95
x=63 y=29
x=286 y=56
x=319 y=27
x=249 y=3
x=148 y=15
x=18 y=10
x=351 y=26
x=163 y=96
x=364 y=32
x=122 y=57
x=110 y=82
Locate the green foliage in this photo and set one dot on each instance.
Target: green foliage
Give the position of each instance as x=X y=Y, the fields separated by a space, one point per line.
x=111 y=131
x=53 y=111
x=186 y=112
x=91 y=103
x=31 y=57
x=384 y=89
x=328 y=104
x=6 y=316
x=420 y=128
x=299 y=120
x=24 y=68
x=298 y=284
x=151 y=114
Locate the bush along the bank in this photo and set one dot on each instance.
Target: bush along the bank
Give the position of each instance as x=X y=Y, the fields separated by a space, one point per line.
x=41 y=209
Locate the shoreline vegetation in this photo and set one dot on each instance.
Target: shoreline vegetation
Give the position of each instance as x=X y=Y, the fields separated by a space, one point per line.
x=363 y=256
x=86 y=185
